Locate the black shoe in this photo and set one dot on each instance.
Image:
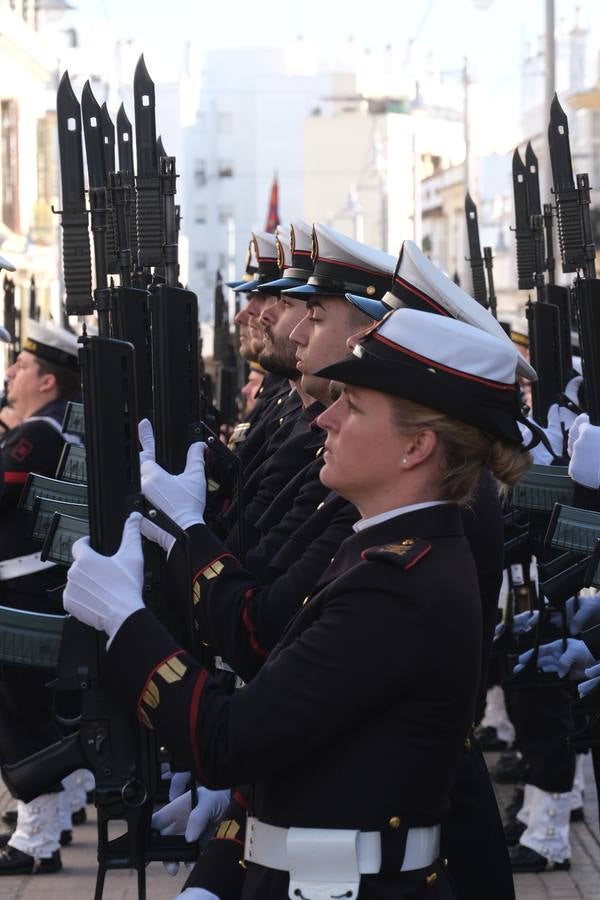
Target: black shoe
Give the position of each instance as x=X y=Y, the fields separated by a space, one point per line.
x=66 y=837
x=90 y=797
x=79 y=816
x=513 y=831
x=516 y=802
x=488 y=739
x=14 y=862
x=10 y=817
x=524 y=859
x=510 y=771
x=577 y=815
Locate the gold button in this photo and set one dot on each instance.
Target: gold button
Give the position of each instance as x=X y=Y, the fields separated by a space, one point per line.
x=305 y=601
x=281 y=421
x=280 y=401
x=394 y=822
x=321 y=505
x=408 y=542
x=431 y=879
x=371 y=290
x=468 y=744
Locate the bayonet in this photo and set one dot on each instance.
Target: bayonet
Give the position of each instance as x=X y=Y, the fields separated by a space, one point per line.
x=567 y=197
x=160 y=148
x=523 y=234
x=124 y=142
x=475 y=258
x=125 y=146
x=77 y=263
x=94 y=147
x=145 y=121
x=149 y=200
x=107 y=131
x=534 y=204
x=489 y=268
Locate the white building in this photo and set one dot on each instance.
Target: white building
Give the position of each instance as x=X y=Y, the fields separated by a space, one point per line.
x=250 y=113
x=365 y=159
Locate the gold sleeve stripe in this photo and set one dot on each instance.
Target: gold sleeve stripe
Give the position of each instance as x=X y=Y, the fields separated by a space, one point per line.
x=151 y=696
x=172 y=670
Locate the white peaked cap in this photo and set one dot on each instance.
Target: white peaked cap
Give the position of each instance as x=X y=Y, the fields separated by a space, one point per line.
x=264 y=243
x=283 y=246
x=417 y=282
x=338 y=247
x=49 y=342
x=301 y=236
x=440 y=363
x=452 y=344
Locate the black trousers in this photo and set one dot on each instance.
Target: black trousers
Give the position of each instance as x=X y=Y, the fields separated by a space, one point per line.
x=473 y=837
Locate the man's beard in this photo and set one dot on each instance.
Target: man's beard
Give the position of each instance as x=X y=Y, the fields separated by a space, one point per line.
x=279 y=357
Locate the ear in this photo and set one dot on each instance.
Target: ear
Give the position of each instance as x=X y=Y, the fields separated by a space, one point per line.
x=48 y=383
x=420 y=447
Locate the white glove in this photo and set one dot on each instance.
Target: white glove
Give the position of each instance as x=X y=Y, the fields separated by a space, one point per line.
x=180 y=783
x=582 y=419
x=178 y=817
x=195 y=893
x=587 y=614
x=521 y=623
x=181 y=497
x=554 y=657
x=593 y=679
x=584 y=467
x=103 y=591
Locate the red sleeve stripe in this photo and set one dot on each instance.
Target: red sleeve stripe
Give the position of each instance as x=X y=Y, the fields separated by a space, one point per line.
x=151 y=675
x=242 y=801
x=211 y=563
x=194 y=706
x=247 y=621
x=414 y=561
x=15 y=477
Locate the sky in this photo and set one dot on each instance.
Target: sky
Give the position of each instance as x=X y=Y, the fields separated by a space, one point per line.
x=427 y=35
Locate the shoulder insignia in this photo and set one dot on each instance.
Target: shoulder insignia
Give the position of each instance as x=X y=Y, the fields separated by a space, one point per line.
x=405 y=554
x=22 y=450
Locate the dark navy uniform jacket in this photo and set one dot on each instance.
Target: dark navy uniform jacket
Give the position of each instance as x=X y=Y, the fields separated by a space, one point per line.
x=33 y=446
x=359 y=716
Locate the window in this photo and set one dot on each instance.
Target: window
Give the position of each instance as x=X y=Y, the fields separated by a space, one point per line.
x=200 y=214
x=225 y=214
x=225 y=168
x=200 y=261
x=9 y=119
x=199 y=173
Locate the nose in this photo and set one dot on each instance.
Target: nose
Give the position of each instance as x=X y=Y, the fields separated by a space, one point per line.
x=255 y=305
x=270 y=314
x=299 y=334
x=241 y=317
x=329 y=419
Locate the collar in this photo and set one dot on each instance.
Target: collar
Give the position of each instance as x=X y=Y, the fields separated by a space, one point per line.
x=392 y=513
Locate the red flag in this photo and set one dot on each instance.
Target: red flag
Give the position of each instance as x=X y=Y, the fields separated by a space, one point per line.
x=273 y=214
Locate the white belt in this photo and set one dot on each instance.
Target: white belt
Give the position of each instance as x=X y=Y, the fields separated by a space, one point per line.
x=23 y=565
x=327 y=862
x=224 y=667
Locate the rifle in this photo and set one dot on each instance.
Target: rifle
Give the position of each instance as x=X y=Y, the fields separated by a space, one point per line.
x=577 y=250
x=475 y=258
x=543 y=317
x=77 y=263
